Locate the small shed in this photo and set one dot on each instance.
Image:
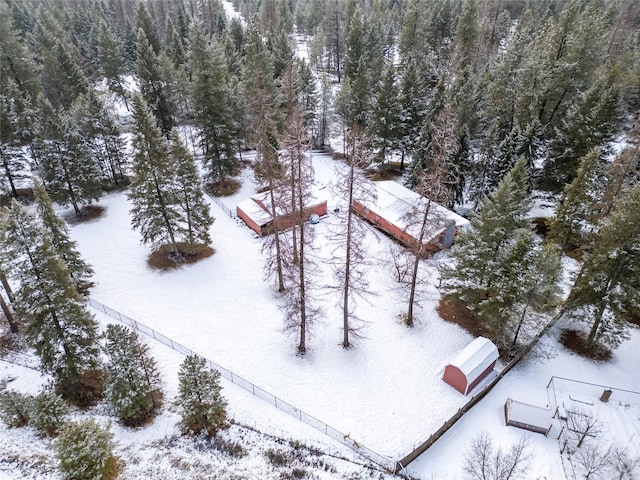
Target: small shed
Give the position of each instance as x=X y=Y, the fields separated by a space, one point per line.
x=256 y=213
x=471 y=365
x=528 y=417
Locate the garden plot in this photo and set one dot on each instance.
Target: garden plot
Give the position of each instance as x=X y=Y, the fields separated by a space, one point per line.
x=595 y=418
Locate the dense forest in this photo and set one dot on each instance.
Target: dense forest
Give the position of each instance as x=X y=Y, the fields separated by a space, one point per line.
x=478 y=103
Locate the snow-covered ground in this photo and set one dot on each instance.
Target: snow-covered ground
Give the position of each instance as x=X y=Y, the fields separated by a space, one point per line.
x=385 y=393
x=223 y=309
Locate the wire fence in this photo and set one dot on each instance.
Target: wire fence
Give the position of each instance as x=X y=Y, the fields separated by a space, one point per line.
x=319 y=425
x=220 y=204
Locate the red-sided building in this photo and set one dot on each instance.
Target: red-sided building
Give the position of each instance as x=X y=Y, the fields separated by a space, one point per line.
x=256 y=213
x=471 y=365
x=393 y=210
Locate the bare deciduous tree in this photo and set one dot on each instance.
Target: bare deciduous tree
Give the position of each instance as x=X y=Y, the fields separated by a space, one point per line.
x=622 y=463
x=294 y=197
x=594 y=461
x=437 y=184
x=583 y=424
x=484 y=462
x=351 y=257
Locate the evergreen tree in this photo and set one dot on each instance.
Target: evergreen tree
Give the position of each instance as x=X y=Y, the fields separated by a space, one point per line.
x=202 y=407
x=15 y=408
x=145 y=23
x=355 y=45
x=112 y=62
x=281 y=53
x=60 y=329
x=152 y=88
x=68 y=171
x=414 y=106
x=174 y=45
x=466 y=34
x=574 y=224
x=607 y=289
x=422 y=153
x=133 y=380
x=61 y=77
x=308 y=99
x=212 y=104
x=84 y=450
x=195 y=210
x=591 y=123
x=498 y=237
x=19 y=86
x=537 y=288
x=333 y=28
x=155 y=210
x=63 y=246
x=622 y=173
x=49 y=412
x=409 y=31
x=354 y=100
x=104 y=140
x=386 y=115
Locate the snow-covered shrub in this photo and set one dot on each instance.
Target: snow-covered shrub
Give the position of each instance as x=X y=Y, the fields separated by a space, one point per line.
x=49 y=412
x=85 y=451
x=15 y=408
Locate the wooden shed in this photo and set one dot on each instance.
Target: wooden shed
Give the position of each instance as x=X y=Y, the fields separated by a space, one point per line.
x=471 y=365
x=256 y=213
x=528 y=417
x=392 y=208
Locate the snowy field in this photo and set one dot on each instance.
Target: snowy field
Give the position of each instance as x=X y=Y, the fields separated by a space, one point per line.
x=223 y=309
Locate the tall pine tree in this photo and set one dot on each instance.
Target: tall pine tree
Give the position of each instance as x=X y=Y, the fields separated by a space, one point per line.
x=65 y=162
x=212 y=104
x=607 y=289
x=196 y=216
x=59 y=327
x=154 y=212
x=64 y=247
x=484 y=254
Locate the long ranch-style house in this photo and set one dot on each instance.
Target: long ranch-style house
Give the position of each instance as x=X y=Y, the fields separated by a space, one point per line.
x=256 y=213
x=392 y=211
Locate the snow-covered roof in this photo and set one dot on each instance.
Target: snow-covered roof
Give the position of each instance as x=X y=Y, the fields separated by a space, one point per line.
x=255 y=211
x=528 y=414
x=476 y=357
x=396 y=204
x=253 y=206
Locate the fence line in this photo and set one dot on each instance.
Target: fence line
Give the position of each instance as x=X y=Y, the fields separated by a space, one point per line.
x=220 y=204
x=319 y=425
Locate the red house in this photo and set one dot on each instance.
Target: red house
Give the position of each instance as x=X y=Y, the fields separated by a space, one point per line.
x=393 y=210
x=472 y=365
x=256 y=213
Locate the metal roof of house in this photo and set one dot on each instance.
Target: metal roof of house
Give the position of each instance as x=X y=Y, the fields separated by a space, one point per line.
x=397 y=204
